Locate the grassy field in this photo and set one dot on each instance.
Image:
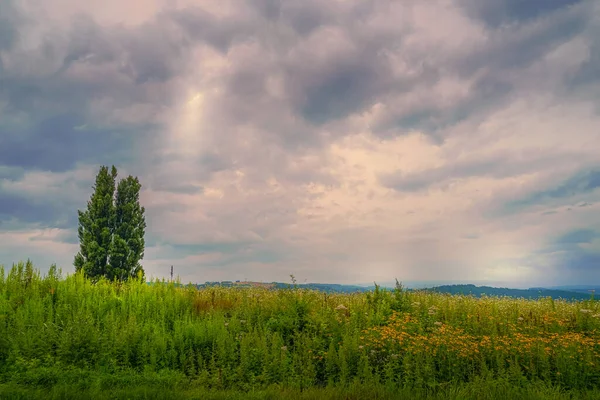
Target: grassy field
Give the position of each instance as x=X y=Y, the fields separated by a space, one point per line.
x=72 y=338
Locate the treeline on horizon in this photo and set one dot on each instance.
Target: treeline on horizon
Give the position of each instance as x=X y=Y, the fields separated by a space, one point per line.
x=456 y=289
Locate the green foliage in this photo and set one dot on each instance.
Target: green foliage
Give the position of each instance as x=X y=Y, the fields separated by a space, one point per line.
x=111 y=230
x=92 y=337
x=162 y=387
x=479 y=291
x=128 y=239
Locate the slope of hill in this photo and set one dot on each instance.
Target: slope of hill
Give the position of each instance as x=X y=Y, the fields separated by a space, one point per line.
x=532 y=293
x=576 y=293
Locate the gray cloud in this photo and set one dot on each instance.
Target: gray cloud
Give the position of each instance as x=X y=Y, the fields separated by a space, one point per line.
x=578 y=236
x=496 y=13
x=518 y=46
x=57 y=144
x=497 y=165
x=581 y=183
x=40 y=212
x=572 y=262
x=9 y=19
x=260 y=173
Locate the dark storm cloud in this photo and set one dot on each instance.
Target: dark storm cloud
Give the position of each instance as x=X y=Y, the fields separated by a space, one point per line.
x=198 y=25
x=487 y=93
x=574 y=262
x=582 y=265
x=588 y=73
x=9 y=19
x=348 y=87
x=69 y=90
x=122 y=61
x=338 y=95
x=494 y=12
x=57 y=144
x=497 y=166
x=357 y=79
x=518 y=46
x=352 y=81
x=91 y=63
x=581 y=183
x=30 y=211
x=496 y=63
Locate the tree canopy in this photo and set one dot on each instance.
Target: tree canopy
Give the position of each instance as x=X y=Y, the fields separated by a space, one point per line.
x=111 y=230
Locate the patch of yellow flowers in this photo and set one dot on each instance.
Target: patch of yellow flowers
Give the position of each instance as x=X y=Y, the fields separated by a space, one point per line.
x=407 y=333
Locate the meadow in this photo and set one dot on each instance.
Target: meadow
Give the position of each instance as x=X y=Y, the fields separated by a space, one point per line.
x=71 y=338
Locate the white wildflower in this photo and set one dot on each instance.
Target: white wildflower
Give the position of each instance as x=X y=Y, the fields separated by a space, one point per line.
x=438 y=323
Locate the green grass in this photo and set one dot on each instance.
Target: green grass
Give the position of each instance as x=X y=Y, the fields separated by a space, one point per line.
x=73 y=338
x=479 y=390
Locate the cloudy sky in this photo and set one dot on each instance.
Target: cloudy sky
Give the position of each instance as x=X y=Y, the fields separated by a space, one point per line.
x=340 y=141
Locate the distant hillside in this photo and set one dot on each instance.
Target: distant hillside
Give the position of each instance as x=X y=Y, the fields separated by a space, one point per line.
x=532 y=293
x=477 y=291
x=579 y=288
x=323 y=287
x=329 y=287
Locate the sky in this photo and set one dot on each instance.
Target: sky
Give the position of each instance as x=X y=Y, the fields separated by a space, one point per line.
x=340 y=141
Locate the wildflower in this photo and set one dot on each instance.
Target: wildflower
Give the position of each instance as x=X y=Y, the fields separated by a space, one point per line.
x=438 y=323
x=242 y=321
x=361 y=347
x=341 y=307
x=226 y=323
x=520 y=319
x=284 y=348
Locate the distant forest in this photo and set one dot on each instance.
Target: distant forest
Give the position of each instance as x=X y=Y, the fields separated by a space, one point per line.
x=533 y=293
x=476 y=291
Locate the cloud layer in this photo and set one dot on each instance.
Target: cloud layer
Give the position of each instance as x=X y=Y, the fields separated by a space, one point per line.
x=342 y=141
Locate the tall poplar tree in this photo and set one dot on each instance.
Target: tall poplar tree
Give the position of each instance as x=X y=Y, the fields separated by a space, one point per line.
x=111 y=229
x=128 y=239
